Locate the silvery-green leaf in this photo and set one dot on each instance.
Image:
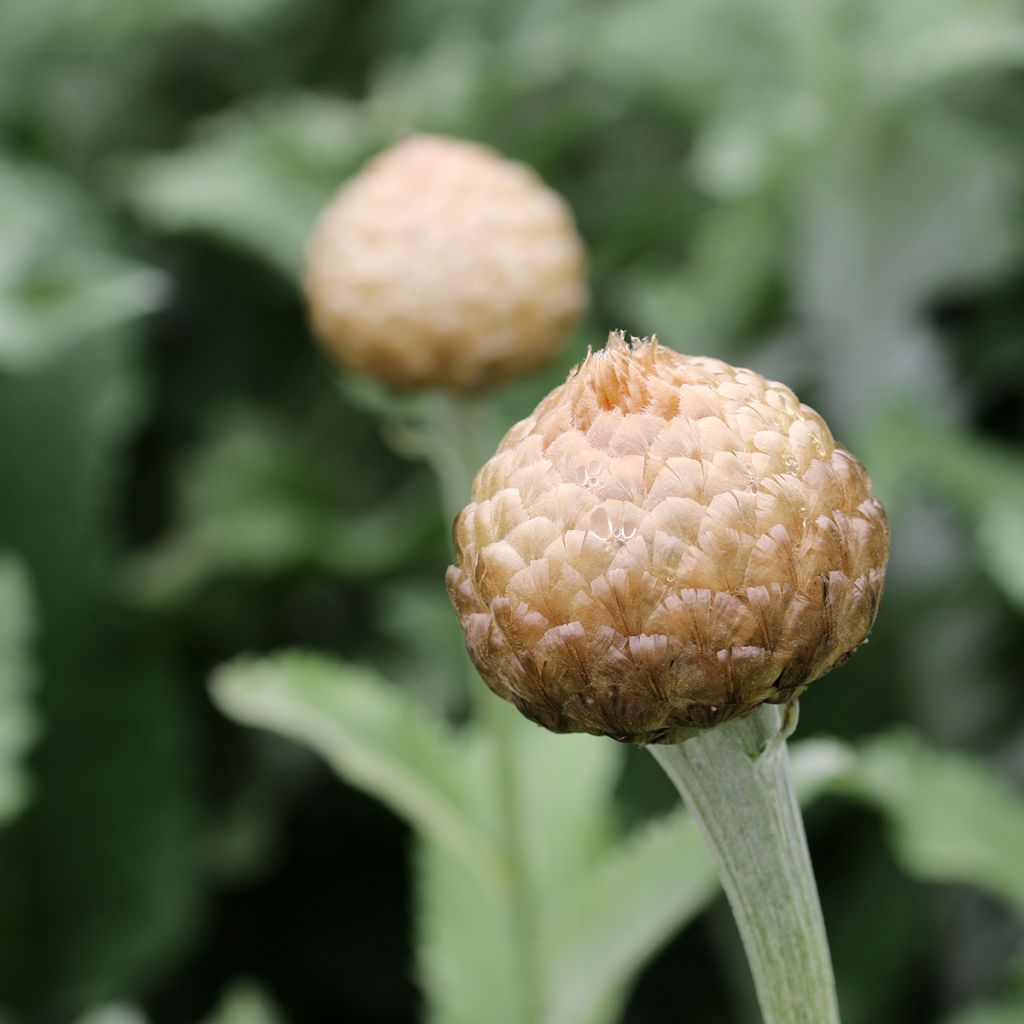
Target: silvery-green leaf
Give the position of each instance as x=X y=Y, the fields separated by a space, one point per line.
x=979 y=478
x=60 y=280
x=254 y=177
x=373 y=734
x=466 y=955
x=951 y=818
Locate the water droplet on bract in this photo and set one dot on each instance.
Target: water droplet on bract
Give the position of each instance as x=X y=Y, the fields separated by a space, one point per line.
x=592 y=475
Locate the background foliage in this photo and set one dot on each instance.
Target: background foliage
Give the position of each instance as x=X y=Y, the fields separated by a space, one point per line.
x=828 y=192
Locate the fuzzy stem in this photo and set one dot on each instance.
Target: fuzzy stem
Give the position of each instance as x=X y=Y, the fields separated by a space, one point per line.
x=735 y=781
x=458 y=440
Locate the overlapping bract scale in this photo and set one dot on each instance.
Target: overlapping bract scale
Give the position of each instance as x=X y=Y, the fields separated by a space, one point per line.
x=666 y=543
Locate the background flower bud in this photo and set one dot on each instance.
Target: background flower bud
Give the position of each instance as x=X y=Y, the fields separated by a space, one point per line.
x=666 y=543
x=442 y=263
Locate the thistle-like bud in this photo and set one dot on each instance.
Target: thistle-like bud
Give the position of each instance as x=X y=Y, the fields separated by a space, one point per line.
x=666 y=543
x=444 y=264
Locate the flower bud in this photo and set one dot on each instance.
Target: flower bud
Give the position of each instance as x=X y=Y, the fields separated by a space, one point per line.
x=666 y=543
x=444 y=264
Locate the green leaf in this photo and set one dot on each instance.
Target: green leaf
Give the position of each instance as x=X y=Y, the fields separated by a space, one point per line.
x=468 y=946
x=877 y=240
x=1008 y=1009
x=60 y=281
x=17 y=722
x=255 y=501
x=567 y=784
x=466 y=953
x=981 y=479
x=375 y=737
x=722 y=50
x=605 y=928
x=951 y=818
x=255 y=177
x=244 y=1002
x=104 y=24
x=914 y=47
x=97 y=876
x=1011 y=1012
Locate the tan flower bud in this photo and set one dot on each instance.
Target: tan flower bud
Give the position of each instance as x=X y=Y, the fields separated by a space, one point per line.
x=666 y=543
x=442 y=263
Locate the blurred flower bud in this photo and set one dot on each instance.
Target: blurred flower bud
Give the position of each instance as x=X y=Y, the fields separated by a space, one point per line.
x=444 y=264
x=666 y=543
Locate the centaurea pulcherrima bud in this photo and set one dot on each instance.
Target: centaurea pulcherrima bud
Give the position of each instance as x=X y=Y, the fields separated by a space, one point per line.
x=443 y=264
x=666 y=543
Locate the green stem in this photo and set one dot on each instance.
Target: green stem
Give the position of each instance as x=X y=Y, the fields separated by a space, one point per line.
x=457 y=445
x=735 y=781
x=457 y=441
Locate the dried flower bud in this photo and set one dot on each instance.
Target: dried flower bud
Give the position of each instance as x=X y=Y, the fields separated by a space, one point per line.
x=666 y=543
x=442 y=263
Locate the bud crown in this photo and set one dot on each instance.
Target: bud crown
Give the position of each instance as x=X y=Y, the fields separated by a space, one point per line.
x=444 y=264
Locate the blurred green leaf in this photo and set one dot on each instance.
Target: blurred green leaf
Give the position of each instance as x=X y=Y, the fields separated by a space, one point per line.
x=97 y=883
x=465 y=948
x=255 y=502
x=469 y=953
x=783 y=64
x=1009 y=1009
x=901 y=213
x=63 y=25
x=916 y=45
x=40 y=37
x=983 y=480
x=256 y=177
x=60 y=282
x=569 y=819
x=244 y=1002
x=373 y=734
x=951 y=819
x=1011 y=1012
x=605 y=928
x=17 y=722
x=722 y=50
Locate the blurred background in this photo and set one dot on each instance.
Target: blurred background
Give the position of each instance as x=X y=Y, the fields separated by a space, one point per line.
x=828 y=192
